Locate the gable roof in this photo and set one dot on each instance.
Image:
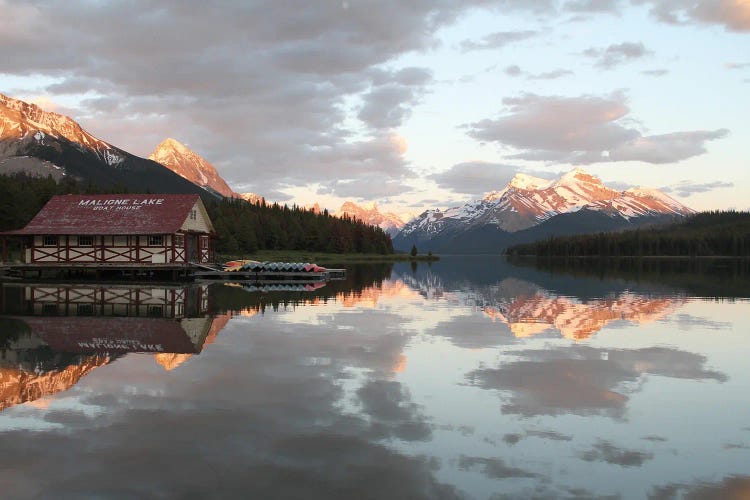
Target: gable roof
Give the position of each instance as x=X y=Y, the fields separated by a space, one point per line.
x=111 y=214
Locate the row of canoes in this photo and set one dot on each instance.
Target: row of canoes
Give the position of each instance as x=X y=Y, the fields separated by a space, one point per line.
x=257 y=266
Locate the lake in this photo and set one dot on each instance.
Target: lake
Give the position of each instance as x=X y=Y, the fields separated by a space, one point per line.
x=470 y=377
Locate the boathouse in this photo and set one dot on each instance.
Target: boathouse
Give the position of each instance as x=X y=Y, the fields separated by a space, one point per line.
x=117 y=231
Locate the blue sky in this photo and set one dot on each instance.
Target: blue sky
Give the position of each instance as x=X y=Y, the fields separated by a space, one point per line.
x=414 y=106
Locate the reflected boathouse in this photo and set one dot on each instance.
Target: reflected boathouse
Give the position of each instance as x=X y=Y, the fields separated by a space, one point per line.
x=52 y=335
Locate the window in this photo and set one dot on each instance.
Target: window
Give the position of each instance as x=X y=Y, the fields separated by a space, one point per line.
x=85 y=309
x=49 y=241
x=193 y=214
x=156 y=240
x=155 y=311
x=204 y=242
x=49 y=309
x=85 y=241
x=179 y=240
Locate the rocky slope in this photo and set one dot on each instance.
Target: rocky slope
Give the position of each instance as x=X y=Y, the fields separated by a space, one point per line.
x=388 y=222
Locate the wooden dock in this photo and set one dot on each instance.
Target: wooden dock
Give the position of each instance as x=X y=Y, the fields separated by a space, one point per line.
x=182 y=272
x=206 y=273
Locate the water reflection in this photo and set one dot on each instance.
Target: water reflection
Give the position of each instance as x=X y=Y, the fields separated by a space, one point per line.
x=465 y=378
x=52 y=335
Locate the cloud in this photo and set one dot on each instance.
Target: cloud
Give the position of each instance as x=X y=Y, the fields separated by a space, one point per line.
x=389 y=101
x=369 y=187
x=513 y=70
x=585 y=129
x=733 y=15
x=478 y=177
x=604 y=451
x=616 y=54
x=263 y=89
x=689 y=188
x=497 y=40
x=666 y=148
x=550 y=75
x=655 y=72
x=583 y=380
x=595 y=6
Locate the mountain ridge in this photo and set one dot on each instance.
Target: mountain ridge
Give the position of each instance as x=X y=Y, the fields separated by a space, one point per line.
x=388 y=221
x=57 y=144
x=510 y=215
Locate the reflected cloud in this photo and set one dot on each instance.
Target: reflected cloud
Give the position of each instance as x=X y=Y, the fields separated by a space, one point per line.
x=584 y=380
x=494 y=468
x=730 y=488
x=604 y=451
x=391 y=411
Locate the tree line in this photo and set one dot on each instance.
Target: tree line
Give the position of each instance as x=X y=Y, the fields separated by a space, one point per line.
x=241 y=227
x=244 y=227
x=705 y=234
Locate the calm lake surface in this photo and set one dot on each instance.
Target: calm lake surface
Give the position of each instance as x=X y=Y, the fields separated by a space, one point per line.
x=467 y=378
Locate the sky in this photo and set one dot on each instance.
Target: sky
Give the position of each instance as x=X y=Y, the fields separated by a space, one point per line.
x=412 y=105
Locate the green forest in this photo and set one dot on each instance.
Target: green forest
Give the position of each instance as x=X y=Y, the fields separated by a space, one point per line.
x=241 y=227
x=705 y=234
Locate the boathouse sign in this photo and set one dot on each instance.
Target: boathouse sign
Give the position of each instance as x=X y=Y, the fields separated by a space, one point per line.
x=119 y=203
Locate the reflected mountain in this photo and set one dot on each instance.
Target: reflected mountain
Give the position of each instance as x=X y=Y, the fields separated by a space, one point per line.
x=52 y=335
x=530 y=310
x=531 y=302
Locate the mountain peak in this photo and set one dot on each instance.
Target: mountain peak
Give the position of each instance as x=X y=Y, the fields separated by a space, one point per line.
x=526 y=181
x=187 y=163
x=578 y=174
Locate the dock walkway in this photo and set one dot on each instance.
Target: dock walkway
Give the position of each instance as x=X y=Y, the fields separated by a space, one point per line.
x=189 y=272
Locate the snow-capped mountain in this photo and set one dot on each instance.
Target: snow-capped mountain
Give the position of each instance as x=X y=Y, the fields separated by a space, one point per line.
x=388 y=222
x=22 y=123
x=187 y=163
x=527 y=202
x=40 y=142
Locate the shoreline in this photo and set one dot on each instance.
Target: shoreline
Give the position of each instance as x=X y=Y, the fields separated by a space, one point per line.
x=323 y=257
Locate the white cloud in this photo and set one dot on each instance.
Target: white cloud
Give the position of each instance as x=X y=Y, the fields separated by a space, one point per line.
x=585 y=129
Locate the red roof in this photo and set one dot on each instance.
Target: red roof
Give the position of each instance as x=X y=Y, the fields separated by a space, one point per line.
x=111 y=214
x=108 y=334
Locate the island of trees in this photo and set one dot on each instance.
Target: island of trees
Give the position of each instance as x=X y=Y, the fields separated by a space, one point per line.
x=706 y=234
x=242 y=227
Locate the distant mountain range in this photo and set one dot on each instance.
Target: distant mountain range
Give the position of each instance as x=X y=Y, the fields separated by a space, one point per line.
x=530 y=208
x=44 y=143
x=388 y=222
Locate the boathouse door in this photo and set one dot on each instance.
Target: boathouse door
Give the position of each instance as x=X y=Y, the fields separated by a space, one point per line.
x=191 y=241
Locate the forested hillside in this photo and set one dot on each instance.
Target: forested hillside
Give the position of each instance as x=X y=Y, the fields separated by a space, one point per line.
x=241 y=227
x=704 y=234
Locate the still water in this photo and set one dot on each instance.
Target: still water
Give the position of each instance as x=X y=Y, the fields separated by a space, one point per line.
x=467 y=378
